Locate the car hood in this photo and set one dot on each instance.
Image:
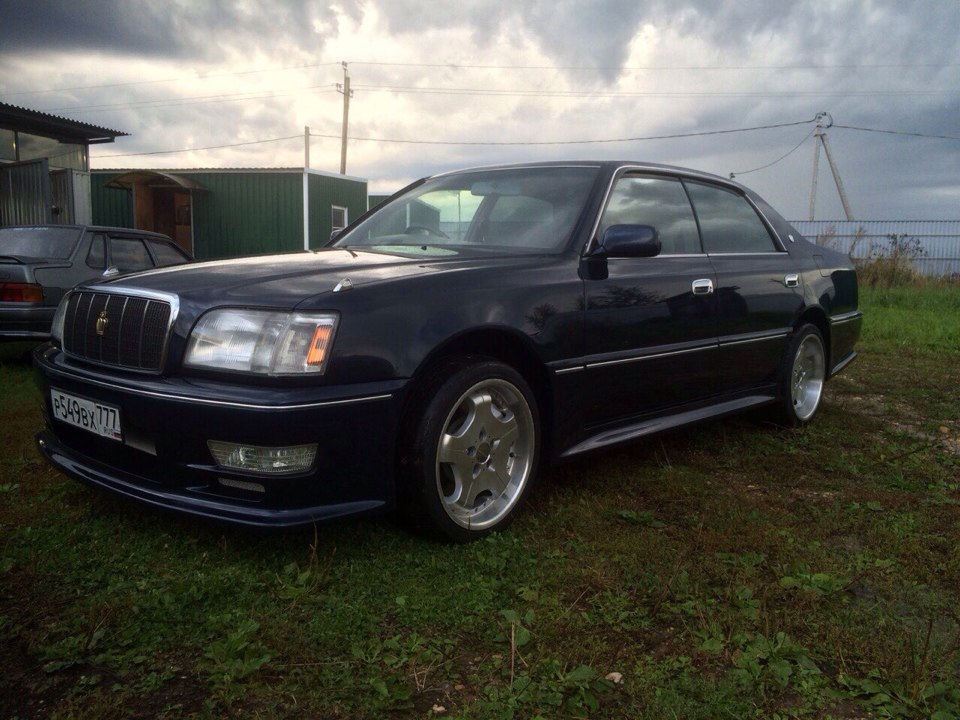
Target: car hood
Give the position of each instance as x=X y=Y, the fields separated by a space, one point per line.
x=285 y=280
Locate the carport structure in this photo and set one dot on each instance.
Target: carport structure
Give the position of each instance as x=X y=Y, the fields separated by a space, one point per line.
x=45 y=166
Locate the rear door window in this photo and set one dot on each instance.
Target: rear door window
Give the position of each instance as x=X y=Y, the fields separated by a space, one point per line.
x=728 y=223
x=129 y=254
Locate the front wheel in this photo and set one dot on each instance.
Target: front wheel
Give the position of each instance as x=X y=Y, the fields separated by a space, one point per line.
x=802 y=377
x=475 y=450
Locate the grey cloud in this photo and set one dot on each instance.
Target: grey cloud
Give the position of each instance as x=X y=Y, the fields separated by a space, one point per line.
x=884 y=175
x=202 y=31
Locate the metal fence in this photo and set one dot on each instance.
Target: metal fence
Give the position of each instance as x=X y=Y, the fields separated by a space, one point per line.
x=933 y=246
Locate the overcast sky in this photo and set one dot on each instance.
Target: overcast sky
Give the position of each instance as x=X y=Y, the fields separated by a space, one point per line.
x=189 y=74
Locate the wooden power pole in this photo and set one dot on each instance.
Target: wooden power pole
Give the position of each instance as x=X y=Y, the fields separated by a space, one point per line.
x=347 y=94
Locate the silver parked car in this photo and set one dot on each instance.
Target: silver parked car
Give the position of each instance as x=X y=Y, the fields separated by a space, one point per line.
x=39 y=263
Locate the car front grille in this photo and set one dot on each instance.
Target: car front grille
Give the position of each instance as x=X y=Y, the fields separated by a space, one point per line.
x=120 y=330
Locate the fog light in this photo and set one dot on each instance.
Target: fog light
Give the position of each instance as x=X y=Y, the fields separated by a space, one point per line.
x=268 y=460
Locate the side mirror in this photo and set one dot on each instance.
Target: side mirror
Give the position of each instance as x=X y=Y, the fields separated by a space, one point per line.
x=629 y=241
x=335 y=234
x=111 y=271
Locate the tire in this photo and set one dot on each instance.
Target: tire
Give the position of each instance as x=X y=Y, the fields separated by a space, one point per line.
x=803 y=373
x=474 y=451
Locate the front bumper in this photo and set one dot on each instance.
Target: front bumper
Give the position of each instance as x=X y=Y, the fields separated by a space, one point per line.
x=163 y=459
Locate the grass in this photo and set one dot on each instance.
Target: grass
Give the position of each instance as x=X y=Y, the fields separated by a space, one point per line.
x=730 y=570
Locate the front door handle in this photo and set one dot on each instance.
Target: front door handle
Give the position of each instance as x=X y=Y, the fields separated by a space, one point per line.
x=702 y=287
x=792 y=280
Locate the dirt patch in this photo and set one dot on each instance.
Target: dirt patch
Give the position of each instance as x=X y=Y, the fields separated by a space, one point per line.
x=945 y=437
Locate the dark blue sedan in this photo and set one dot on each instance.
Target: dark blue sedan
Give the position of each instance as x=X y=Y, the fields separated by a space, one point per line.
x=476 y=324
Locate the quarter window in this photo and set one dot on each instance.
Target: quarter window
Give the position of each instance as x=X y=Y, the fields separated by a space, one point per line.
x=728 y=223
x=97 y=257
x=660 y=202
x=166 y=254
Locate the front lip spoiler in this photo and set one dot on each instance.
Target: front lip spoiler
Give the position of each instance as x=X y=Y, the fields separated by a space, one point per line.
x=97 y=475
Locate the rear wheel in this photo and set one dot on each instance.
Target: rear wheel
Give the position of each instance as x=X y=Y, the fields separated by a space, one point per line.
x=475 y=450
x=802 y=377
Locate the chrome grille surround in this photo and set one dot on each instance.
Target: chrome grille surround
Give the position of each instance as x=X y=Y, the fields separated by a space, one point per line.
x=135 y=331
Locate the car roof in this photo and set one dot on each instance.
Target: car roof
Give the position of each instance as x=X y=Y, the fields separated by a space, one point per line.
x=96 y=228
x=610 y=165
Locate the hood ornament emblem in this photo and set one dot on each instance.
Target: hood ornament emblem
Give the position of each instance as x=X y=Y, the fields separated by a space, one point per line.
x=102 y=322
x=343 y=285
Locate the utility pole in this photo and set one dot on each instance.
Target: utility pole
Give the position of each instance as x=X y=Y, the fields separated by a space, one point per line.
x=824 y=121
x=306 y=187
x=306 y=147
x=816 y=169
x=347 y=94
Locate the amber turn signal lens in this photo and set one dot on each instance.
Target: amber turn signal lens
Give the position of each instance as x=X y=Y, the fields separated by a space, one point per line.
x=21 y=292
x=318 y=345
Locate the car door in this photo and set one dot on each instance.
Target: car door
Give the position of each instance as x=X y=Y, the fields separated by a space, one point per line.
x=650 y=322
x=758 y=291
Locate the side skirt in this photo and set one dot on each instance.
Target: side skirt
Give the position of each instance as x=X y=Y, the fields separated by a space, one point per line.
x=643 y=428
x=842 y=364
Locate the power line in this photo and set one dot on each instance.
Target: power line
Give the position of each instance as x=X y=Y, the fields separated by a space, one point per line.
x=193 y=100
x=782 y=157
x=629 y=94
x=673 y=136
x=577 y=142
x=487 y=92
x=460 y=66
x=209 y=147
x=898 y=132
x=466 y=66
x=167 y=80
x=479 y=143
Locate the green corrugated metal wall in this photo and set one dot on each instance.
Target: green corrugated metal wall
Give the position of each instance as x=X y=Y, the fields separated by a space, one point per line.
x=246 y=212
x=325 y=192
x=111 y=207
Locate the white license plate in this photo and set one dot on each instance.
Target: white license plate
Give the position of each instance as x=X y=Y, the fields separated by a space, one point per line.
x=95 y=417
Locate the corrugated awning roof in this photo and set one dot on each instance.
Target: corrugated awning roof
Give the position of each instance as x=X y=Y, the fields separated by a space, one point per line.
x=63 y=129
x=153 y=178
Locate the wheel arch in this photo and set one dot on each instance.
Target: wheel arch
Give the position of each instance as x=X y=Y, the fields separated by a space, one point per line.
x=815 y=315
x=506 y=345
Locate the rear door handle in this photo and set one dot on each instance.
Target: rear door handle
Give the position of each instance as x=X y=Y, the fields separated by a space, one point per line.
x=702 y=287
x=792 y=280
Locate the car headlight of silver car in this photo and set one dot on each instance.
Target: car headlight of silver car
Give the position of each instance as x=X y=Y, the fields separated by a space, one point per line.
x=262 y=341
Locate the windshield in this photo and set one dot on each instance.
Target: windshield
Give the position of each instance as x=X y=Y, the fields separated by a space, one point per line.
x=38 y=242
x=527 y=210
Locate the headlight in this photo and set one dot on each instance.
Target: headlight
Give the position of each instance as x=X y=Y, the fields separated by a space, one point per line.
x=56 y=330
x=260 y=341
